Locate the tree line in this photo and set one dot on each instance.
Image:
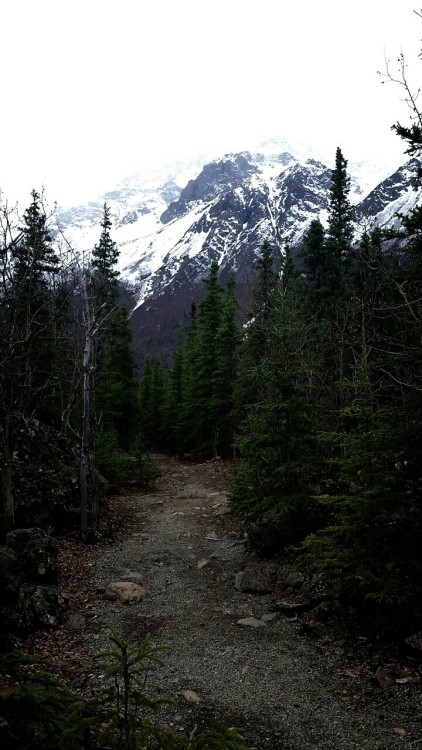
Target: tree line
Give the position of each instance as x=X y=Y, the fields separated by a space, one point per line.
x=65 y=350
x=318 y=397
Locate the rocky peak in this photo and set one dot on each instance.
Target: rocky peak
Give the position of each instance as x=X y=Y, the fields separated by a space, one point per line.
x=388 y=192
x=214 y=178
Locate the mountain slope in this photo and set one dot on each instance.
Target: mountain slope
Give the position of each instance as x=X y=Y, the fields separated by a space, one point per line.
x=170 y=225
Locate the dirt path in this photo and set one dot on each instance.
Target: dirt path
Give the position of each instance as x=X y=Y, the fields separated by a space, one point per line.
x=285 y=689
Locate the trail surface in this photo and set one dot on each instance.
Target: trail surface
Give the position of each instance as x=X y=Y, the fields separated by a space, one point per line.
x=284 y=688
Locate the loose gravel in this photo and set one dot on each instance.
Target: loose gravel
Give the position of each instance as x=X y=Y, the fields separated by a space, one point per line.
x=284 y=688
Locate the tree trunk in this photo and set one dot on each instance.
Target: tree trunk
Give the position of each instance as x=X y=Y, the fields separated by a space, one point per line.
x=7 y=518
x=85 y=459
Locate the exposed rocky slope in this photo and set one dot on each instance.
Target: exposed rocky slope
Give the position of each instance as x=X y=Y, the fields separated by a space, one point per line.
x=46 y=500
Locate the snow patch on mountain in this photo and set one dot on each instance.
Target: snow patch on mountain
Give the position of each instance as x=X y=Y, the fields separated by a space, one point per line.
x=174 y=220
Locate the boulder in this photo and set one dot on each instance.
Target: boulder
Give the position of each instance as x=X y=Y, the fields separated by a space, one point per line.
x=36 y=553
x=126 y=591
x=10 y=581
x=45 y=476
x=253 y=581
x=266 y=537
x=414 y=643
x=251 y=622
x=38 y=607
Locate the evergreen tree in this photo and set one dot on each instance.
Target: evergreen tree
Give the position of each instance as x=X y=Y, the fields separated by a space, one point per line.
x=313 y=259
x=263 y=297
x=174 y=397
x=115 y=388
x=158 y=396
x=33 y=253
x=340 y=229
x=276 y=442
x=104 y=260
x=35 y=264
x=145 y=405
x=189 y=389
x=226 y=347
x=116 y=394
x=255 y=340
x=209 y=315
x=369 y=548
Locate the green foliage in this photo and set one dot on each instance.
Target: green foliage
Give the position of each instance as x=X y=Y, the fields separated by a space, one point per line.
x=338 y=245
x=209 y=316
x=115 y=387
x=313 y=261
x=256 y=336
x=224 y=375
x=276 y=445
x=104 y=260
x=116 y=392
x=33 y=312
x=34 y=255
x=37 y=712
x=122 y=467
x=173 y=398
x=112 y=461
x=152 y=403
x=330 y=400
x=191 y=409
x=126 y=667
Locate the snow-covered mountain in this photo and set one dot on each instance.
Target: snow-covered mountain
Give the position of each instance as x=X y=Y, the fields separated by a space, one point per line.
x=170 y=223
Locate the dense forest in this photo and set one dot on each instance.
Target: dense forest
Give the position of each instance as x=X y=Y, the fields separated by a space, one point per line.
x=317 y=398
x=67 y=361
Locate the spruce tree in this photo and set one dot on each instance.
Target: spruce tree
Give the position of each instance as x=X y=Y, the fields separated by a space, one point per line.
x=116 y=394
x=340 y=229
x=35 y=264
x=189 y=387
x=369 y=548
x=256 y=335
x=226 y=349
x=104 y=261
x=263 y=296
x=33 y=253
x=145 y=405
x=115 y=388
x=313 y=259
x=276 y=442
x=209 y=315
x=174 y=397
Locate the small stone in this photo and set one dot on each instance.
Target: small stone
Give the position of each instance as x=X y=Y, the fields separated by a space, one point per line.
x=190 y=696
x=76 y=621
x=251 y=622
x=212 y=537
x=384 y=677
x=126 y=591
x=269 y=617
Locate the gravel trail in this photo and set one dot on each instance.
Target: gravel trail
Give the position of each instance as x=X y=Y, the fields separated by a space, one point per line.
x=282 y=687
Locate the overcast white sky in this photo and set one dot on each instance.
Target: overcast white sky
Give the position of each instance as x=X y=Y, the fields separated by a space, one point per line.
x=93 y=90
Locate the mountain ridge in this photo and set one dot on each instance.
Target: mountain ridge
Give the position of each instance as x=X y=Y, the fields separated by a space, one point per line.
x=169 y=225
